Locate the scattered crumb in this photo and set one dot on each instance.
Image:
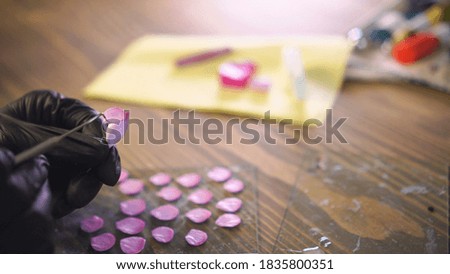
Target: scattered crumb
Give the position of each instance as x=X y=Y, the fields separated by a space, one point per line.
x=358 y=244
x=324 y=241
x=356 y=205
x=315 y=231
x=294 y=250
x=364 y=168
x=308 y=250
x=322 y=163
x=414 y=190
x=312 y=250
x=324 y=202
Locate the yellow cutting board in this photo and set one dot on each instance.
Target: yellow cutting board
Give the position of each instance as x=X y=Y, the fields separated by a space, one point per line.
x=145 y=73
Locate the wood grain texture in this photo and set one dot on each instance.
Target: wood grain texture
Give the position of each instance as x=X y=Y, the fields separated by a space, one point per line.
x=365 y=203
x=63 y=45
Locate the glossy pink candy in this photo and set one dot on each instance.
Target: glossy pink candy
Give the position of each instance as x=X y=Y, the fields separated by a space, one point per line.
x=165 y=212
x=230 y=205
x=228 y=220
x=160 y=179
x=130 y=225
x=91 y=224
x=169 y=193
x=132 y=245
x=131 y=186
x=236 y=75
x=196 y=237
x=189 y=180
x=163 y=234
x=234 y=185
x=198 y=215
x=200 y=197
x=219 y=174
x=133 y=207
x=123 y=175
x=117 y=119
x=103 y=242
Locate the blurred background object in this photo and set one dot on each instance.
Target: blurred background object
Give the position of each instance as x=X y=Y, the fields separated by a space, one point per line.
x=408 y=41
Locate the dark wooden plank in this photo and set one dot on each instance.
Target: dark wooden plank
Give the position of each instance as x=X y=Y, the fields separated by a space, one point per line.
x=366 y=204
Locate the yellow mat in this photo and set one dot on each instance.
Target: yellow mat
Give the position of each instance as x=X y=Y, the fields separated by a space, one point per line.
x=145 y=74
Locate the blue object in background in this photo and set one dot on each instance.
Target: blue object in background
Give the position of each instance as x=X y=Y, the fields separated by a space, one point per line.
x=380 y=35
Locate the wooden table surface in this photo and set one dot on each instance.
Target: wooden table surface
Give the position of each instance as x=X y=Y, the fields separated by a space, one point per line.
x=63 y=45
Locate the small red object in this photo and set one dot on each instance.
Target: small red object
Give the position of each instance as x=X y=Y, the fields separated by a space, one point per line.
x=415 y=47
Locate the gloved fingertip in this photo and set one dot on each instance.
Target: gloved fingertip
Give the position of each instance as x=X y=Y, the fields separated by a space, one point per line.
x=97 y=128
x=109 y=171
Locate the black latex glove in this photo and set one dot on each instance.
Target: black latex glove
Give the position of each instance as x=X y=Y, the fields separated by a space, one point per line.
x=80 y=164
x=25 y=219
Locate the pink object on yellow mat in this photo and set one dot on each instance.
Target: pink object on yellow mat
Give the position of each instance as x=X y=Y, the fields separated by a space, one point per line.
x=236 y=75
x=146 y=74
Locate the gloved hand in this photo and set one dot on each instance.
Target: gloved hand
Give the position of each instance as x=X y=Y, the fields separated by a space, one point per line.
x=79 y=164
x=25 y=222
